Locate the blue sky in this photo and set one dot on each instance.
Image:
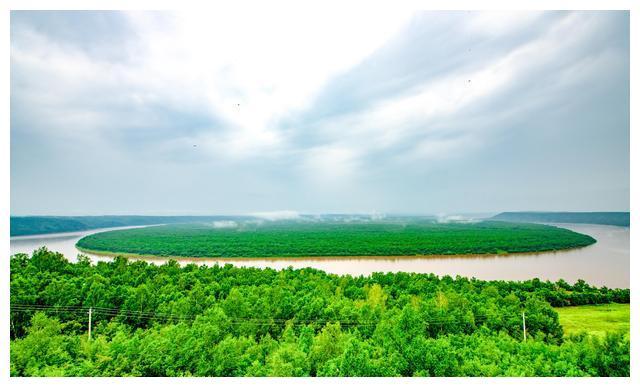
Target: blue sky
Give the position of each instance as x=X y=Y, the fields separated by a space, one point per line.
x=389 y=112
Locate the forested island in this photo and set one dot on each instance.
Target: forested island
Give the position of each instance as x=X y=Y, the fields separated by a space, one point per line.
x=167 y=320
x=606 y=218
x=334 y=239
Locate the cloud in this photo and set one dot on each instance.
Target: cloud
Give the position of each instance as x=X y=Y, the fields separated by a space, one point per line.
x=224 y=224
x=277 y=215
x=444 y=218
x=218 y=113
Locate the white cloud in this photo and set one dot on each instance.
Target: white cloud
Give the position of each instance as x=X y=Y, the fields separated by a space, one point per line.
x=425 y=116
x=224 y=224
x=211 y=103
x=499 y=23
x=444 y=218
x=253 y=68
x=277 y=215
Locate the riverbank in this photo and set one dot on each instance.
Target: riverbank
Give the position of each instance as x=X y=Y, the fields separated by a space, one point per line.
x=179 y=258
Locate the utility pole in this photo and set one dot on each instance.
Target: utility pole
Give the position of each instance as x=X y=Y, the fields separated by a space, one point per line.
x=90 y=310
x=524 y=327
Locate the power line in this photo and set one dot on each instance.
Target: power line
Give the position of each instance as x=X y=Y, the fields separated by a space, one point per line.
x=112 y=312
x=83 y=310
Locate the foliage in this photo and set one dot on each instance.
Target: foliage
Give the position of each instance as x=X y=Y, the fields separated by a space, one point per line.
x=325 y=238
x=228 y=321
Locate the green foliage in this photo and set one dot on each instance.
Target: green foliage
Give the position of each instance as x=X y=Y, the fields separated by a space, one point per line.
x=324 y=238
x=227 y=321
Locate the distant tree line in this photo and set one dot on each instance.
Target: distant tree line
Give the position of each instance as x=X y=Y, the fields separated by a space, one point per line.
x=606 y=218
x=32 y=225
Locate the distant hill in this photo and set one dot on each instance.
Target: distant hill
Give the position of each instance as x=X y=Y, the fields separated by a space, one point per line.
x=608 y=218
x=32 y=225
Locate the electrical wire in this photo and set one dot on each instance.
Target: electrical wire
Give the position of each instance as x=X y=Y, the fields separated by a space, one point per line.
x=112 y=312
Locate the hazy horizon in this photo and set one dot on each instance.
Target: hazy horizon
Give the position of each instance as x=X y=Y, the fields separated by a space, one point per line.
x=295 y=214
x=161 y=113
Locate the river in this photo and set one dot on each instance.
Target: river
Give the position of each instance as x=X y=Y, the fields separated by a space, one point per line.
x=605 y=263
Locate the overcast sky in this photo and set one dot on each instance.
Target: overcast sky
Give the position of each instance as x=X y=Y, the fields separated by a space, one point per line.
x=389 y=112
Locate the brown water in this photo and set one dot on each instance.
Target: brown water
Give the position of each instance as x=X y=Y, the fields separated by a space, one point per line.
x=605 y=263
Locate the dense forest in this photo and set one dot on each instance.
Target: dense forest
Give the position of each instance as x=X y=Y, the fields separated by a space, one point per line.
x=228 y=321
x=326 y=238
x=607 y=218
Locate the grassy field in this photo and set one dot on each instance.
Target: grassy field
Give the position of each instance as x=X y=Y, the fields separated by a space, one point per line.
x=594 y=319
x=325 y=238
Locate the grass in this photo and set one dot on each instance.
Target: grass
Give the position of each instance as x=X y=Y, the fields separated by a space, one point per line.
x=594 y=319
x=335 y=239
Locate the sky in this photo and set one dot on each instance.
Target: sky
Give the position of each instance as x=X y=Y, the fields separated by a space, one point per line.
x=318 y=111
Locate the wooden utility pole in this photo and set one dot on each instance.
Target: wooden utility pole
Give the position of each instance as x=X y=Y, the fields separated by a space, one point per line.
x=524 y=327
x=90 y=310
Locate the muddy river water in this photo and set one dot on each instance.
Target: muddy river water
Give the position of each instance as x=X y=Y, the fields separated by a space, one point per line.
x=605 y=263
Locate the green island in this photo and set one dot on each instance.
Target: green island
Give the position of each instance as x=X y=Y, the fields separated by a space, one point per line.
x=333 y=239
x=195 y=320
